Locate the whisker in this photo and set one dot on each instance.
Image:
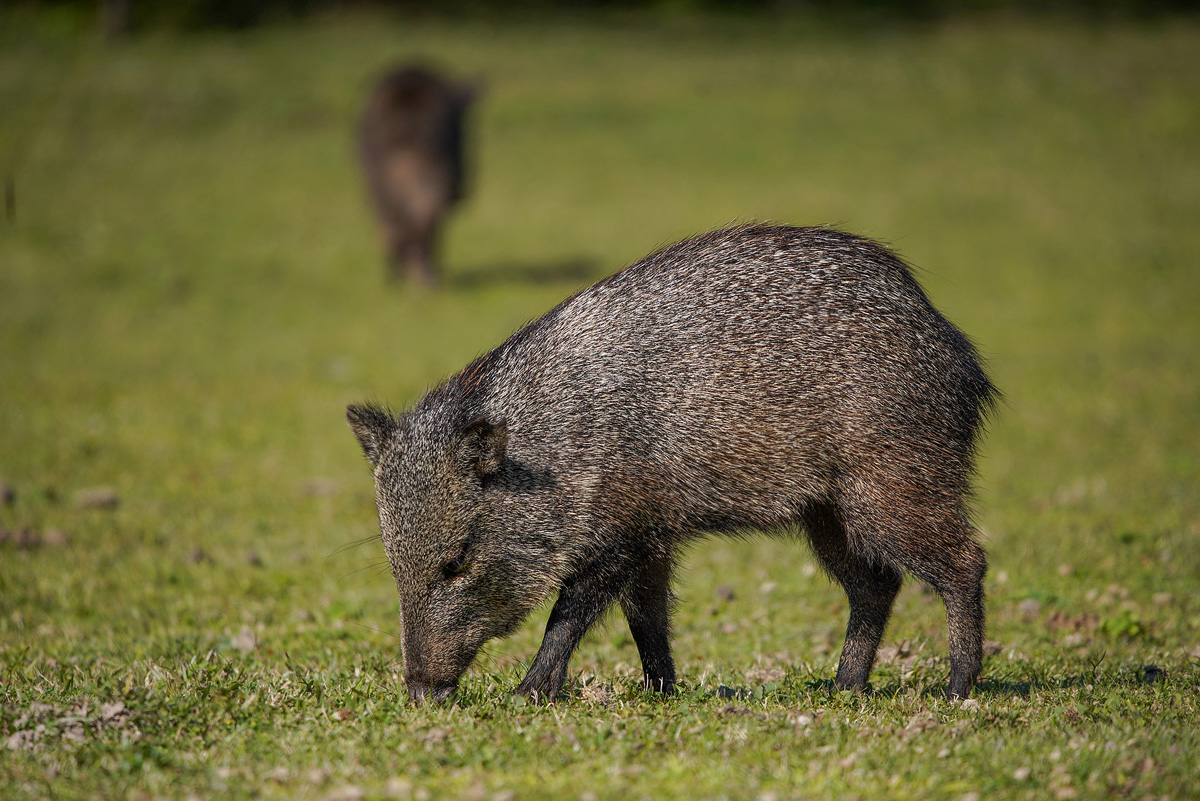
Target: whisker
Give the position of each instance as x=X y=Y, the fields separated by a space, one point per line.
x=371 y=566
x=377 y=631
x=354 y=544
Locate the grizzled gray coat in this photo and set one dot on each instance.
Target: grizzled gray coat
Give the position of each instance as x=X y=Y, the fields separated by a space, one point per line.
x=756 y=378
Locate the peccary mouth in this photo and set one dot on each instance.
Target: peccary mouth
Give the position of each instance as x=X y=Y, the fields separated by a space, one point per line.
x=421 y=692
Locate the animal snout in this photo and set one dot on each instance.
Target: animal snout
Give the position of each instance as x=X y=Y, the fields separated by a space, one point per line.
x=421 y=690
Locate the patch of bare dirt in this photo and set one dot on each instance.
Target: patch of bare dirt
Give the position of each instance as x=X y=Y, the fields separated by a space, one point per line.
x=43 y=725
x=1061 y=621
x=97 y=498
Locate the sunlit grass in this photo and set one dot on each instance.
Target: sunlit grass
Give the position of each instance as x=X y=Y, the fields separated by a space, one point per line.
x=191 y=291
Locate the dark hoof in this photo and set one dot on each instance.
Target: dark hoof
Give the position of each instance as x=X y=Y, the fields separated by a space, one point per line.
x=663 y=687
x=959 y=690
x=534 y=696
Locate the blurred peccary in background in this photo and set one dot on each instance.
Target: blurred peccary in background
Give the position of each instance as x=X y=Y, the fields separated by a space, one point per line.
x=411 y=146
x=756 y=378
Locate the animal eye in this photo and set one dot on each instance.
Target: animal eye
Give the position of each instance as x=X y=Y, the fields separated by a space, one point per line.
x=456 y=566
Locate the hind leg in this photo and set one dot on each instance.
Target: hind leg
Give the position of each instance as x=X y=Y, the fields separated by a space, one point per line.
x=932 y=539
x=870 y=587
x=956 y=574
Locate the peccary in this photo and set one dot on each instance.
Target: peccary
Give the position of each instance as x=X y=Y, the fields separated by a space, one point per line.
x=411 y=146
x=756 y=378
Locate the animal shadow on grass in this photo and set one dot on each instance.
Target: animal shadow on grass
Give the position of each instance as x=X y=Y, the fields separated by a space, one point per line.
x=985 y=688
x=576 y=270
x=1128 y=676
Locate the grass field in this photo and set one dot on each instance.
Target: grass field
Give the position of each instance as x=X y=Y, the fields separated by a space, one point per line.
x=192 y=597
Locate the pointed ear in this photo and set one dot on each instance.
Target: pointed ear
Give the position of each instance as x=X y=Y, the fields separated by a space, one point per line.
x=484 y=443
x=373 y=426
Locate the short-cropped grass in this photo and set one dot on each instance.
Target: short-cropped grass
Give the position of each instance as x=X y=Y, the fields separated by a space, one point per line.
x=193 y=598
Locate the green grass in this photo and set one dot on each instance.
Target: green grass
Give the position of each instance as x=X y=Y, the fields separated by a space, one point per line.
x=191 y=291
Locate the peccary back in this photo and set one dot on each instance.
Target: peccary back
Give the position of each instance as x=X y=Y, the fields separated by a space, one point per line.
x=411 y=146
x=755 y=378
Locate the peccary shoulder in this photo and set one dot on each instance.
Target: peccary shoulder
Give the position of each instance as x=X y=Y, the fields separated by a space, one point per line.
x=763 y=378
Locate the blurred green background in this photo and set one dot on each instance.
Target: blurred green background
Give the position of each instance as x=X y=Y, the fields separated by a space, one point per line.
x=191 y=291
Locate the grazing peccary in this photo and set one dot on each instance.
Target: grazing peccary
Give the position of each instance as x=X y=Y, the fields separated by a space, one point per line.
x=756 y=378
x=411 y=146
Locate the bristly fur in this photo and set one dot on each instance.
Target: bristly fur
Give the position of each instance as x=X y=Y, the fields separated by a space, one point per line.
x=753 y=378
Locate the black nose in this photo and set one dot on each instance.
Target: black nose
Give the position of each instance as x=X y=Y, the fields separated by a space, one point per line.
x=420 y=691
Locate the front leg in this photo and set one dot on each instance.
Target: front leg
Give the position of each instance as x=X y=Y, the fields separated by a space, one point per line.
x=646 y=602
x=578 y=607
